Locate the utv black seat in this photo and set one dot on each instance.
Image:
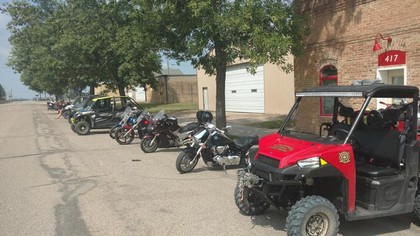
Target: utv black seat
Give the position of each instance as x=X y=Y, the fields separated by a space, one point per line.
x=383 y=147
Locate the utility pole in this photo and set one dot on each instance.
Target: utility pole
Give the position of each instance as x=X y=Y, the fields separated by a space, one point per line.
x=166 y=79
x=11 y=95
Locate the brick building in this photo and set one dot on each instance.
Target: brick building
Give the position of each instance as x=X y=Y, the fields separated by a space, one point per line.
x=340 y=48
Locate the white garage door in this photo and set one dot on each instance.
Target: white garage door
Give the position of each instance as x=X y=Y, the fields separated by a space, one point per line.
x=244 y=92
x=140 y=94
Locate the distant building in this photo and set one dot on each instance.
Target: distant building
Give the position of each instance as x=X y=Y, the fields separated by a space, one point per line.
x=269 y=91
x=173 y=87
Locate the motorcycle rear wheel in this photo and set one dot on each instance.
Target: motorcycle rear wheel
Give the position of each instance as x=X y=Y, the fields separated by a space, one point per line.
x=124 y=136
x=147 y=146
x=183 y=161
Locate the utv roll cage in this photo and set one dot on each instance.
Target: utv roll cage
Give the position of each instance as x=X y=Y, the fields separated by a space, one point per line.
x=360 y=91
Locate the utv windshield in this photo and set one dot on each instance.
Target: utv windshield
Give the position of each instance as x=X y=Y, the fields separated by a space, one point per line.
x=78 y=101
x=305 y=122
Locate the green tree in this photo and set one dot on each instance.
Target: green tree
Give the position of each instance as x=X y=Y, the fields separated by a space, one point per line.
x=214 y=33
x=32 y=38
x=61 y=45
x=3 y=94
x=112 y=42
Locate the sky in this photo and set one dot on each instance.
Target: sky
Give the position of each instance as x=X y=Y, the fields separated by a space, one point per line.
x=10 y=80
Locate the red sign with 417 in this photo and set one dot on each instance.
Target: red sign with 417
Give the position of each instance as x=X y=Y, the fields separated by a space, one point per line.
x=392 y=57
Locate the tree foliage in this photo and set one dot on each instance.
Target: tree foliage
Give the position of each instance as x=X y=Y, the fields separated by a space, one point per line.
x=61 y=45
x=3 y=94
x=215 y=33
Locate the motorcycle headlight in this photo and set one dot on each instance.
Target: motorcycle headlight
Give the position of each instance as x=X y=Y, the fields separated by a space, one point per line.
x=312 y=162
x=131 y=120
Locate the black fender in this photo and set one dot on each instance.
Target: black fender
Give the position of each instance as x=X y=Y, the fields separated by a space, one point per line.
x=189 y=149
x=87 y=119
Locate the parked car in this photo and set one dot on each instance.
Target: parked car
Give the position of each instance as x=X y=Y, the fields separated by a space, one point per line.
x=101 y=113
x=78 y=104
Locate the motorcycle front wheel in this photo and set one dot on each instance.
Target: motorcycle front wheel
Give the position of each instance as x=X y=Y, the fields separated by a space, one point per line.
x=113 y=130
x=185 y=161
x=148 y=146
x=124 y=136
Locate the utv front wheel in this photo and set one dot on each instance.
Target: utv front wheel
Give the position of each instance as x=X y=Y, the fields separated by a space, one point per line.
x=66 y=114
x=82 y=127
x=73 y=127
x=313 y=215
x=249 y=202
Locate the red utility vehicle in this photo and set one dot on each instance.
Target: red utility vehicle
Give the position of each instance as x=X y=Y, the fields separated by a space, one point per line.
x=358 y=161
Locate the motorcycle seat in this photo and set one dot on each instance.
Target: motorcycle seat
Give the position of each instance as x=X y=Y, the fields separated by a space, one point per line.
x=246 y=141
x=188 y=127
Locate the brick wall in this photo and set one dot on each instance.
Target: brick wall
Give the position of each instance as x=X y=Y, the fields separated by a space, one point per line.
x=343 y=34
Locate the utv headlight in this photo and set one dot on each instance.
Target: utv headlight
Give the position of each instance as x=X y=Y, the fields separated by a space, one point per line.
x=312 y=162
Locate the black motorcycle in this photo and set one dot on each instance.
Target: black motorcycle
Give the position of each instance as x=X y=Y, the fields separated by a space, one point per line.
x=164 y=132
x=216 y=149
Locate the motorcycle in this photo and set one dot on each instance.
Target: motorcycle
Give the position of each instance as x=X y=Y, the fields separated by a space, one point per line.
x=51 y=105
x=216 y=149
x=126 y=133
x=164 y=132
x=128 y=118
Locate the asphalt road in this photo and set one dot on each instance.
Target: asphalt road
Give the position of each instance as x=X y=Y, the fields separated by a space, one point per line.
x=54 y=182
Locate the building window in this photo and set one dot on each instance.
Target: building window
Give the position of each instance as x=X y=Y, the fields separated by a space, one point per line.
x=328 y=77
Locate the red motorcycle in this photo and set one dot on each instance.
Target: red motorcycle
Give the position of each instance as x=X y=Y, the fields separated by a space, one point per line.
x=136 y=126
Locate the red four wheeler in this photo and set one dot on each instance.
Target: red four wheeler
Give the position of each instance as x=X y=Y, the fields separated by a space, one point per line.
x=357 y=161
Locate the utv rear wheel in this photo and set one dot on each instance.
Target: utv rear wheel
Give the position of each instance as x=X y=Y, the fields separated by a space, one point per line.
x=185 y=161
x=313 y=215
x=416 y=210
x=124 y=136
x=250 y=203
x=148 y=146
x=82 y=127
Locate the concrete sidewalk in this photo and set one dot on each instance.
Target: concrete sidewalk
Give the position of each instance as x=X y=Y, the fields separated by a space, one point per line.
x=239 y=122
